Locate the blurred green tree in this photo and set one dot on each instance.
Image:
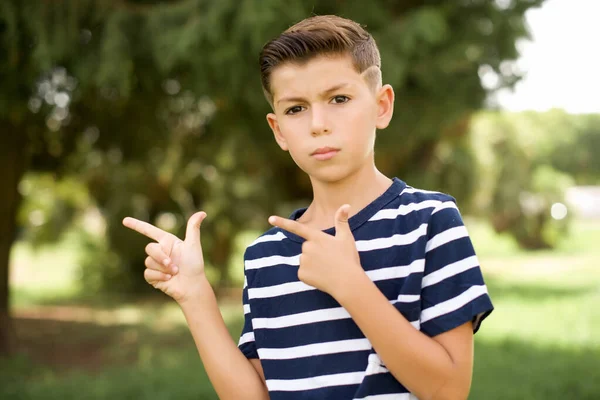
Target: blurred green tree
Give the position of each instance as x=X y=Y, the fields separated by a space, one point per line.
x=156 y=107
x=527 y=160
x=576 y=145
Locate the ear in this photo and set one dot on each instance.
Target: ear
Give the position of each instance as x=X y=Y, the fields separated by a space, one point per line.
x=274 y=125
x=385 y=106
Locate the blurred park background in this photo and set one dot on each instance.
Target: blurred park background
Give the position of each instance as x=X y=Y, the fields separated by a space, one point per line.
x=153 y=109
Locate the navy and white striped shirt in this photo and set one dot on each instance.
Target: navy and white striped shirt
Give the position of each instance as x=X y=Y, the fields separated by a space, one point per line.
x=413 y=244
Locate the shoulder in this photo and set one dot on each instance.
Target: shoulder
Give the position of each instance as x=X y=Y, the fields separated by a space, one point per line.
x=411 y=195
x=440 y=214
x=270 y=249
x=417 y=206
x=271 y=242
x=431 y=201
x=263 y=244
x=442 y=225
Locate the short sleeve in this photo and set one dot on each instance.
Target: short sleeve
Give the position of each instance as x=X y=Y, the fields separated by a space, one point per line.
x=453 y=291
x=246 y=343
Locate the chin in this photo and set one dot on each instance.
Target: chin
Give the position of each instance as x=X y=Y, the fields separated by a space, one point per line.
x=331 y=174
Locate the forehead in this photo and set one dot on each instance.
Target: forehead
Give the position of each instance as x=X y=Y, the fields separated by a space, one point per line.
x=314 y=76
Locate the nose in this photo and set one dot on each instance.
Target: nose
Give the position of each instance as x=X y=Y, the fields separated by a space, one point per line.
x=320 y=124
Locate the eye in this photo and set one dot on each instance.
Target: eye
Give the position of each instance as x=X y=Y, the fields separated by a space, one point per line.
x=341 y=99
x=293 y=110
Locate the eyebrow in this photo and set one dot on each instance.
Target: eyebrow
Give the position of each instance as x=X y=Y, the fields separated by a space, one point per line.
x=323 y=94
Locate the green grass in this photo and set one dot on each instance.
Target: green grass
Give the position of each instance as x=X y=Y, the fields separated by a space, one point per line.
x=543 y=339
x=143 y=352
x=144 y=364
x=541 y=342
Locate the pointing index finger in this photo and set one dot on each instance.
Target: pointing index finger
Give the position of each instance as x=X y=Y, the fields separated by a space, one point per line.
x=144 y=228
x=294 y=227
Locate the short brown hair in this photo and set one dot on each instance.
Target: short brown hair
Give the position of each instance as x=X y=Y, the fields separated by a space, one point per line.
x=315 y=36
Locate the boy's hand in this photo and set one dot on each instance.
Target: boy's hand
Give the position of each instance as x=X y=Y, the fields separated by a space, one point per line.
x=174 y=266
x=326 y=261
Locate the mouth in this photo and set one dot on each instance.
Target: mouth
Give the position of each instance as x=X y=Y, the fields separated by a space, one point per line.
x=324 y=153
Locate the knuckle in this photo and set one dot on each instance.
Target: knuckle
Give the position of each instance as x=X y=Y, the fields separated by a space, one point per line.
x=168 y=245
x=165 y=247
x=307 y=246
x=148 y=262
x=149 y=247
x=304 y=276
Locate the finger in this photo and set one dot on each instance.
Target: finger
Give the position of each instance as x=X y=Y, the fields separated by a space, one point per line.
x=294 y=227
x=152 y=276
x=342 y=227
x=157 y=254
x=151 y=263
x=193 y=227
x=145 y=228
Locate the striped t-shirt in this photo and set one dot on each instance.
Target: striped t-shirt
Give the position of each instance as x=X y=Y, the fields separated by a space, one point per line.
x=413 y=244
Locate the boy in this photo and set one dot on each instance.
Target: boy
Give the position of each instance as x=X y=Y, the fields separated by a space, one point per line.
x=374 y=290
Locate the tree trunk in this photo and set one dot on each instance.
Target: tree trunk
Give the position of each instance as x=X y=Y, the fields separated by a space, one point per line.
x=13 y=161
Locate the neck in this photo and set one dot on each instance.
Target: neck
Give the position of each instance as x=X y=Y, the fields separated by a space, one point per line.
x=358 y=190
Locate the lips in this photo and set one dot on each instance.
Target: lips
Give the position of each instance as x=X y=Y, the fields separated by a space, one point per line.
x=324 y=153
x=324 y=150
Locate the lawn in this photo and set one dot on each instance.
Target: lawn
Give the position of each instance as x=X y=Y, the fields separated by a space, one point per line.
x=543 y=339
x=541 y=342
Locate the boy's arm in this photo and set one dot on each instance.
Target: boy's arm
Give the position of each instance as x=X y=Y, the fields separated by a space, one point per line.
x=259 y=369
x=430 y=368
x=435 y=362
x=232 y=375
x=177 y=268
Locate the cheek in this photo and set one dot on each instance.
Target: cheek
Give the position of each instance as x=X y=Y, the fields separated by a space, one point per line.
x=360 y=115
x=361 y=127
x=295 y=129
x=292 y=131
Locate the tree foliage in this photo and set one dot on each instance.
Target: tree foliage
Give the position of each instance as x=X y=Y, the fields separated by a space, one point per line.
x=527 y=161
x=156 y=107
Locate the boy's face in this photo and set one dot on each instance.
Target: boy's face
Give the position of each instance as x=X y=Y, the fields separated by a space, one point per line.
x=326 y=115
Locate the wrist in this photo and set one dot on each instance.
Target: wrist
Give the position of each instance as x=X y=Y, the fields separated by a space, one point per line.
x=198 y=293
x=350 y=285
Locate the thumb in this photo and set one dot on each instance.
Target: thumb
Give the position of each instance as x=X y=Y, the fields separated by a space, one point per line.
x=192 y=233
x=342 y=227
